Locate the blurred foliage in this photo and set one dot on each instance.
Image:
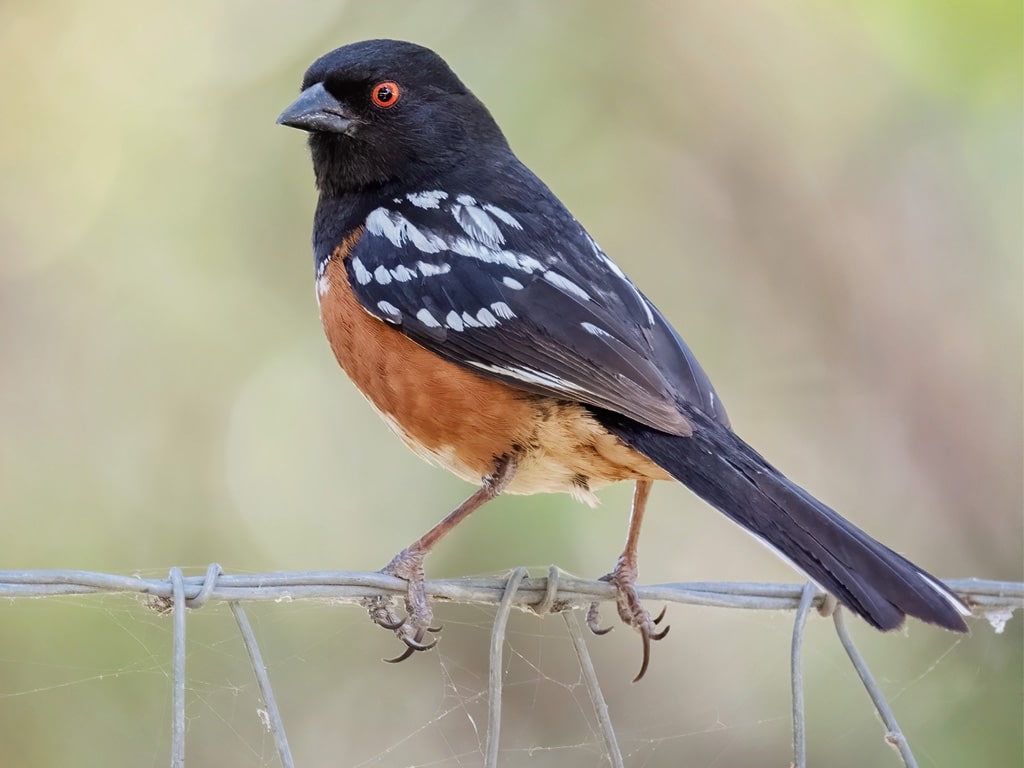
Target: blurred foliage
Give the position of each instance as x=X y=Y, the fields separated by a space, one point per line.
x=825 y=199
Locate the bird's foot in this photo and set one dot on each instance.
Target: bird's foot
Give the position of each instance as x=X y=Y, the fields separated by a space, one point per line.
x=631 y=611
x=411 y=630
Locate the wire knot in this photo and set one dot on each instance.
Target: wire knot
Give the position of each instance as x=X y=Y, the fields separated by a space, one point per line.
x=164 y=604
x=549 y=603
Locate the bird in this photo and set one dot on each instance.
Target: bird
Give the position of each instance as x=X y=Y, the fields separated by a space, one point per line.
x=498 y=341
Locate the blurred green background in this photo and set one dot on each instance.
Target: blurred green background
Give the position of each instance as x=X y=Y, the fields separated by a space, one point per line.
x=827 y=202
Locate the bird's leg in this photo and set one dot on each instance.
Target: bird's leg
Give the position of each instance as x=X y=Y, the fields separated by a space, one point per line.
x=408 y=565
x=631 y=610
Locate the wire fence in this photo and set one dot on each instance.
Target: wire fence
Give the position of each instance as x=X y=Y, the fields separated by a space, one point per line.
x=556 y=592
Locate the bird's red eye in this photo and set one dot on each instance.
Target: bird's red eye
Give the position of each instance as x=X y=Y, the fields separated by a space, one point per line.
x=386 y=95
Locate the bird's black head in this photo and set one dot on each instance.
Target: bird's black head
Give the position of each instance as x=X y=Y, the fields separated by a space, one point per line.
x=385 y=112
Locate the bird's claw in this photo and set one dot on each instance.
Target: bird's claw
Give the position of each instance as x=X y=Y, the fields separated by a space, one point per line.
x=632 y=613
x=411 y=630
x=412 y=644
x=385 y=621
x=594 y=620
x=646 y=635
x=594 y=614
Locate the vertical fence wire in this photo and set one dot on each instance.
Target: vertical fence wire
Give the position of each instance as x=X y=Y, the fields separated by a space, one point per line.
x=274 y=720
x=178 y=671
x=604 y=718
x=497 y=667
x=893 y=735
x=797 y=675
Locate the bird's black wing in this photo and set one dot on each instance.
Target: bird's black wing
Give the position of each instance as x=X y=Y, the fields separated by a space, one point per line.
x=515 y=289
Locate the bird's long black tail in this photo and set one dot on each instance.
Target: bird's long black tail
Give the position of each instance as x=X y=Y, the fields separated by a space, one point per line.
x=866 y=576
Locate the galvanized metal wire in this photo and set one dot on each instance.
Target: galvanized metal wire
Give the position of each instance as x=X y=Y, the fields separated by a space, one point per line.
x=555 y=592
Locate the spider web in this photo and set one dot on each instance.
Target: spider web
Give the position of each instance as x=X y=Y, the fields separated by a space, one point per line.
x=96 y=671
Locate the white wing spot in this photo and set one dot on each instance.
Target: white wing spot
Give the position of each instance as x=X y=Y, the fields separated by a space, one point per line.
x=397 y=229
x=431 y=270
x=502 y=310
x=466 y=247
x=645 y=304
x=622 y=276
x=519 y=261
x=609 y=263
x=381 y=275
x=465 y=200
x=478 y=225
x=403 y=274
x=602 y=255
x=427 y=200
x=363 y=277
x=503 y=216
x=470 y=321
x=427 y=319
x=427 y=242
x=566 y=285
x=486 y=318
x=596 y=330
x=530 y=376
x=453 y=321
x=511 y=282
x=385 y=223
x=522 y=262
x=389 y=309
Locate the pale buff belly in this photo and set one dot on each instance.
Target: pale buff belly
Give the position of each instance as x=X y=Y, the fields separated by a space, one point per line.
x=569 y=453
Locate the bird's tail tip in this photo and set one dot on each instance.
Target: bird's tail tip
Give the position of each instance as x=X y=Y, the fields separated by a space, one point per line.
x=953 y=621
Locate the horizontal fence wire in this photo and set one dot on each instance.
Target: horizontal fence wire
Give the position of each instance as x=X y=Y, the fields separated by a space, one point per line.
x=554 y=592
x=354 y=586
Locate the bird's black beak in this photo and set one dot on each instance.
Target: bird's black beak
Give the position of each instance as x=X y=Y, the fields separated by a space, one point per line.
x=316 y=110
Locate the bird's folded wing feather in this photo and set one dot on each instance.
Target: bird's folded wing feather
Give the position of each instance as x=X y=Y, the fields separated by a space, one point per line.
x=525 y=297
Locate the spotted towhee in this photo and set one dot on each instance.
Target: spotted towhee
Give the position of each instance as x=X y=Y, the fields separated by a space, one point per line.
x=498 y=340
